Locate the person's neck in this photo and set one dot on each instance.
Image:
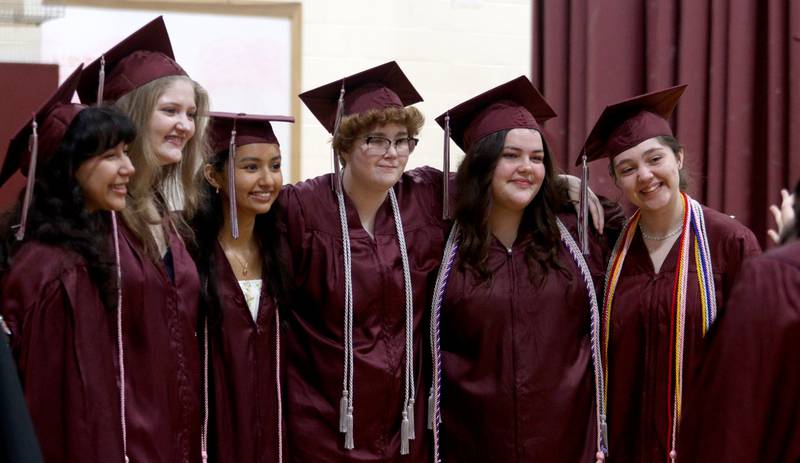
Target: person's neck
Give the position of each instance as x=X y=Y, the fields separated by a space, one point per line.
x=366 y=201
x=504 y=225
x=665 y=220
x=246 y=223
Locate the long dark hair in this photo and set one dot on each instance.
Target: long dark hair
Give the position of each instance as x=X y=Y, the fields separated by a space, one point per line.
x=58 y=214
x=474 y=204
x=207 y=223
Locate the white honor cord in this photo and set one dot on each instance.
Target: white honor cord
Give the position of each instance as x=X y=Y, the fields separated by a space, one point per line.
x=120 y=347
x=434 y=412
x=346 y=404
x=594 y=316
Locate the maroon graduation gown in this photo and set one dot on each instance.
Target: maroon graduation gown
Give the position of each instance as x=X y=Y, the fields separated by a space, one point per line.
x=314 y=339
x=517 y=383
x=639 y=416
x=66 y=347
x=746 y=403
x=243 y=357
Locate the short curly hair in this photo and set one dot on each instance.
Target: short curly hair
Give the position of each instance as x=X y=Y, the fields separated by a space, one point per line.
x=355 y=125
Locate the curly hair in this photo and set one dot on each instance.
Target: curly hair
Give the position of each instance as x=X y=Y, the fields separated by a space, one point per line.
x=355 y=125
x=58 y=214
x=155 y=189
x=207 y=223
x=474 y=204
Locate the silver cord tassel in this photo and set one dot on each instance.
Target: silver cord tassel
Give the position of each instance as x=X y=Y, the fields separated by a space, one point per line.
x=343 y=412
x=232 y=184
x=101 y=81
x=430 y=409
x=584 y=216
x=29 y=182
x=446 y=213
x=349 y=443
x=405 y=434
x=412 y=434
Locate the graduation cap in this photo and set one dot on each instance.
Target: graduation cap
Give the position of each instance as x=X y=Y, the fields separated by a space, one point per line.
x=40 y=139
x=622 y=126
x=142 y=57
x=515 y=104
x=232 y=130
x=242 y=129
x=381 y=87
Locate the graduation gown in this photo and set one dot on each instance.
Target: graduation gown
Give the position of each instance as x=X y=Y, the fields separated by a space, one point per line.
x=746 y=403
x=640 y=343
x=517 y=374
x=314 y=340
x=17 y=438
x=65 y=343
x=244 y=359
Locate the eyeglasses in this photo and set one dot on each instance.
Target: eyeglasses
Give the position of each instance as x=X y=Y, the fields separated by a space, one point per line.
x=379 y=146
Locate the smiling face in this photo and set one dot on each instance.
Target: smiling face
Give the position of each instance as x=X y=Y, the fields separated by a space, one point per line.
x=519 y=172
x=371 y=169
x=172 y=123
x=649 y=175
x=103 y=179
x=258 y=178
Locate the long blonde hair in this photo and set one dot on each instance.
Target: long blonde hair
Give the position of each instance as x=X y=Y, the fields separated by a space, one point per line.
x=157 y=190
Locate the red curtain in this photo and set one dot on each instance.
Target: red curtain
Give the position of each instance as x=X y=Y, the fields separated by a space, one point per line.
x=739 y=119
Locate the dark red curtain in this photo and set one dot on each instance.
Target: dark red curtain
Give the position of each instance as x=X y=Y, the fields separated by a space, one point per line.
x=740 y=116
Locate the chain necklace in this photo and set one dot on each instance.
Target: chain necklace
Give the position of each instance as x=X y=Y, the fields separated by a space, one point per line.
x=667 y=236
x=242 y=263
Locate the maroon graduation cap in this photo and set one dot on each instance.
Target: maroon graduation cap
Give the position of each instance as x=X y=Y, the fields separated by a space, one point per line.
x=142 y=57
x=515 y=104
x=232 y=130
x=623 y=125
x=380 y=87
x=52 y=120
x=40 y=139
x=243 y=129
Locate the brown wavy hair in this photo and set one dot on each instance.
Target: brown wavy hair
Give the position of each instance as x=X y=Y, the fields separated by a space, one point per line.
x=474 y=204
x=355 y=125
x=156 y=190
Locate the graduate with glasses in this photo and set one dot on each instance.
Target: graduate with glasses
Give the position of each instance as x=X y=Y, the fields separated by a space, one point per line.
x=363 y=245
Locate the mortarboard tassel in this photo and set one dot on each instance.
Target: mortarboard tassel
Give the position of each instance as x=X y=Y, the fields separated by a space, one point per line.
x=446 y=213
x=232 y=184
x=405 y=434
x=584 y=215
x=337 y=181
x=26 y=202
x=349 y=443
x=410 y=410
x=101 y=80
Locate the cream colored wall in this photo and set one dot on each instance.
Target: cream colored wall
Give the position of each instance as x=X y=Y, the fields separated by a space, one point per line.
x=450 y=49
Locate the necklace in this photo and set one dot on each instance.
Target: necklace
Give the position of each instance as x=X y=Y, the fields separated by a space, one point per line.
x=242 y=263
x=669 y=235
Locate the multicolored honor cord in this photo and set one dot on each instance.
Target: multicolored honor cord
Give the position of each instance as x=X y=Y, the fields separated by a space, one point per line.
x=693 y=220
